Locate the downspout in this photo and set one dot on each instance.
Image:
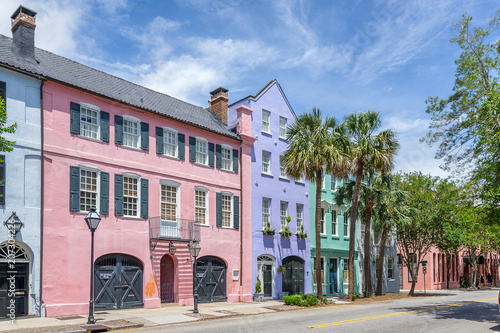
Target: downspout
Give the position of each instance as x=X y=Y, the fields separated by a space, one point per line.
x=241 y=215
x=42 y=306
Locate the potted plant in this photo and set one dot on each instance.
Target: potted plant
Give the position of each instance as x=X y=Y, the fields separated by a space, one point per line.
x=301 y=234
x=286 y=232
x=268 y=230
x=258 y=296
x=281 y=269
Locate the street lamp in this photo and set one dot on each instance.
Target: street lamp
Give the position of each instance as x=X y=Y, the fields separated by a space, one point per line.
x=195 y=249
x=92 y=220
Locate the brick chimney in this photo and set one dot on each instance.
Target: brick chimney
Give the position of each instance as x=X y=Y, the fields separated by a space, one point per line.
x=23 y=33
x=218 y=103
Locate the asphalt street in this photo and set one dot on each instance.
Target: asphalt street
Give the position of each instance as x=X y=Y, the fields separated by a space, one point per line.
x=456 y=311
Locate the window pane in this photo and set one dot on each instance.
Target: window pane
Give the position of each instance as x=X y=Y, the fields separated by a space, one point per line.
x=170 y=143
x=282 y=127
x=300 y=209
x=130 y=196
x=130 y=133
x=88 y=189
x=226 y=210
x=283 y=214
x=266 y=158
x=201 y=152
x=266 y=212
x=200 y=204
x=226 y=159
x=89 y=126
x=266 y=115
x=168 y=203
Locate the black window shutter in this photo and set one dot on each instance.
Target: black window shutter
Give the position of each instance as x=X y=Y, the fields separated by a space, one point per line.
x=236 y=208
x=118 y=130
x=181 y=144
x=159 y=140
x=118 y=195
x=2 y=179
x=218 y=156
x=144 y=136
x=75 y=118
x=104 y=126
x=192 y=149
x=235 y=160
x=218 y=208
x=104 y=202
x=210 y=154
x=74 y=189
x=144 y=198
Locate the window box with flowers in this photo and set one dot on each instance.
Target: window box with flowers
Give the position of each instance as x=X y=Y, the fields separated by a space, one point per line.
x=268 y=230
x=301 y=234
x=286 y=232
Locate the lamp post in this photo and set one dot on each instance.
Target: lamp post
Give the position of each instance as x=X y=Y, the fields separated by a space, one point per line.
x=195 y=249
x=92 y=220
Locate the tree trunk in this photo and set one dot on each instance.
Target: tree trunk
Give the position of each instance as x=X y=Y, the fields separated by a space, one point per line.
x=367 y=247
x=352 y=229
x=378 y=291
x=447 y=272
x=413 y=281
x=317 y=224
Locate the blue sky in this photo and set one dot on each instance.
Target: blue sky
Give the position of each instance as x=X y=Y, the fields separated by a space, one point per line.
x=340 y=56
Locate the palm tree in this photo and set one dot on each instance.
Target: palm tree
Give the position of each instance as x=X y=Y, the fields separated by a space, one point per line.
x=367 y=198
x=368 y=149
x=315 y=146
x=390 y=208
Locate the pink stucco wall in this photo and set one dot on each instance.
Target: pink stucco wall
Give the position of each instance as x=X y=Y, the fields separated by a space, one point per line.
x=66 y=238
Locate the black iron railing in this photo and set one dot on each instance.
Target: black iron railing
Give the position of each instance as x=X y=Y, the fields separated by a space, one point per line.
x=175 y=229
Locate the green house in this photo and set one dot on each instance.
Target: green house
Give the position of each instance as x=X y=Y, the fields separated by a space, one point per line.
x=334 y=240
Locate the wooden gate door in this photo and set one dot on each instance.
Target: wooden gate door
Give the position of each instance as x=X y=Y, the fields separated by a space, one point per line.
x=117 y=282
x=293 y=278
x=167 y=279
x=20 y=271
x=210 y=278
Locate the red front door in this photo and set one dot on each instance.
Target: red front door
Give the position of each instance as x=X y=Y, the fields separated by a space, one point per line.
x=167 y=279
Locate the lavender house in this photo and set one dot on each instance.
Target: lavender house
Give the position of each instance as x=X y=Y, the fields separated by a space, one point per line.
x=279 y=203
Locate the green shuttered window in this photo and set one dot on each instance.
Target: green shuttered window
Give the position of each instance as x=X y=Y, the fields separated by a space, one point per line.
x=88 y=187
x=227 y=210
x=89 y=121
x=131 y=196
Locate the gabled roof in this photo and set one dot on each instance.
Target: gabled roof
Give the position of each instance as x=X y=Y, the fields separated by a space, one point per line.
x=263 y=90
x=66 y=71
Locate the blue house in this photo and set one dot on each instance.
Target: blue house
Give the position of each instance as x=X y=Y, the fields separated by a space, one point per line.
x=20 y=172
x=280 y=205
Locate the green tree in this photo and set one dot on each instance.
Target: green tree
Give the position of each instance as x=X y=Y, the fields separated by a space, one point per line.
x=367 y=198
x=391 y=207
x=315 y=146
x=368 y=150
x=467 y=123
x=5 y=145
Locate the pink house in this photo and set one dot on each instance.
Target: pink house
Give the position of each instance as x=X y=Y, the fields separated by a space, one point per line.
x=161 y=173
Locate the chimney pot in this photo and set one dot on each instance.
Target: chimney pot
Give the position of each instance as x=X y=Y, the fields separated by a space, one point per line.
x=218 y=103
x=23 y=33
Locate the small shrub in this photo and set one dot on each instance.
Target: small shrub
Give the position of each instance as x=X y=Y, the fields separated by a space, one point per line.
x=354 y=297
x=258 y=289
x=301 y=300
x=366 y=293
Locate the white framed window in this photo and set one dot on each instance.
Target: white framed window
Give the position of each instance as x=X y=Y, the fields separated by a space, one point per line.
x=266 y=162
x=300 y=216
x=390 y=268
x=322 y=221
x=282 y=169
x=322 y=270
x=282 y=128
x=89 y=121
x=334 y=222
x=201 y=151
x=346 y=271
x=170 y=142
x=283 y=214
x=201 y=205
x=300 y=180
x=169 y=201
x=131 y=131
x=334 y=183
x=266 y=212
x=227 y=161
x=266 y=121
x=89 y=189
x=227 y=210
x=346 y=225
x=130 y=196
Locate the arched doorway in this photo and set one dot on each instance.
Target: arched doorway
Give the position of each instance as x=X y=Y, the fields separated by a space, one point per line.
x=210 y=278
x=117 y=282
x=293 y=278
x=167 y=279
x=14 y=261
x=265 y=272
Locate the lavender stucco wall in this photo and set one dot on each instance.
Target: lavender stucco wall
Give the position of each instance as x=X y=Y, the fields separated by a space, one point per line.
x=275 y=188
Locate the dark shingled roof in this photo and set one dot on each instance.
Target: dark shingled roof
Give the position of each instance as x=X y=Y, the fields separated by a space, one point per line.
x=52 y=66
